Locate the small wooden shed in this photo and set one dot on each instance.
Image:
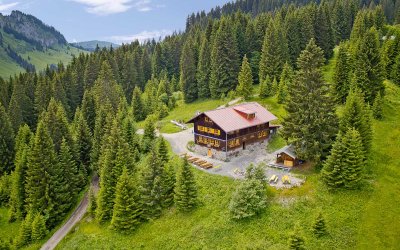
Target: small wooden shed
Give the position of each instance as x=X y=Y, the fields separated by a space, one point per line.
x=287 y=157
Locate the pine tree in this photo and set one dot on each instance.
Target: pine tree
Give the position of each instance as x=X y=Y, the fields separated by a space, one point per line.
x=248 y=200
x=185 y=189
x=296 y=239
x=188 y=80
x=341 y=75
x=83 y=142
x=265 y=88
x=43 y=93
x=319 y=227
x=151 y=188
x=396 y=70
x=245 y=79
x=70 y=174
x=92 y=203
x=137 y=105
x=115 y=155
x=285 y=81
x=310 y=124
x=149 y=135
x=6 y=142
x=256 y=173
x=377 y=108
x=39 y=230
x=25 y=231
x=323 y=30
x=357 y=114
x=368 y=70
x=162 y=151
x=127 y=211
x=41 y=160
x=344 y=167
x=274 y=52
x=89 y=110
x=225 y=61
x=204 y=68
x=169 y=180
x=17 y=196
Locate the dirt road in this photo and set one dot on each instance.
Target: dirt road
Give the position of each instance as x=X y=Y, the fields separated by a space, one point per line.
x=72 y=221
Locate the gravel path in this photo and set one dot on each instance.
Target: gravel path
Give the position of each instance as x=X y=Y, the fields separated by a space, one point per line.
x=237 y=166
x=76 y=216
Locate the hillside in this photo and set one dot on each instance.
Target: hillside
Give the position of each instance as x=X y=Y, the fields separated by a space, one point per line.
x=26 y=43
x=92 y=45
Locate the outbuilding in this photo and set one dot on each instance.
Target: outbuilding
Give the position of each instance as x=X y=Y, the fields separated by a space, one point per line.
x=287 y=157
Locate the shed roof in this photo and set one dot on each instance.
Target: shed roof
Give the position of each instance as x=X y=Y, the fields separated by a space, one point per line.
x=289 y=150
x=229 y=119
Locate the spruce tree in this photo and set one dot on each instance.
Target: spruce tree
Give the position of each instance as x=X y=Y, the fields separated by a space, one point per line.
x=149 y=135
x=204 y=68
x=114 y=156
x=162 y=150
x=368 y=70
x=296 y=239
x=377 y=108
x=248 y=200
x=265 y=88
x=311 y=123
x=92 y=203
x=17 y=196
x=225 y=61
x=319 y=227
x=25 y=231
x=43 y=93
x=39 y=230
x=396 y=70
x=89 y=110
x=41 y=160
x=285 y=81
x=6 y=142
x=341 y=75
x=185 y=189
x=137 y=105
x=151 y=188
x=357 y=114
x=256 y=173
x=126 y=211
x=344 y=167
x=245 y=79
x=188 y=66
x=169 y=180
x=274 y=52
x=83 y=142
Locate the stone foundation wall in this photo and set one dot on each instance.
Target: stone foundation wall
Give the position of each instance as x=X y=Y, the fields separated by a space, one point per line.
x=226 y=156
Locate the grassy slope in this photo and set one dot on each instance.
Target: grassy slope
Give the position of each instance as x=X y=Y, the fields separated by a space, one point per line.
x=366 y=219
x=38 y=58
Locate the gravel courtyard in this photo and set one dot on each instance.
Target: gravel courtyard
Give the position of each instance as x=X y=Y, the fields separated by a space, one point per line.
x=237 y=166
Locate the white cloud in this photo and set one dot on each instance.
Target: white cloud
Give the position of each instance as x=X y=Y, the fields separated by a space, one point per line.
x=141 y=37
x=7 y=6
x=107 y=7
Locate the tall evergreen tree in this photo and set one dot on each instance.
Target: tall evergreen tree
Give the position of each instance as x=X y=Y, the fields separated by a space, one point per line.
x=357 y=114
x=6 y=142
x=285 y=81
x=25 y=231
x=89 y=109
x=137 y=105
x=43 y=94
x=368 y=67
x=341 y=75
x=225 y=61
x=204 y=68
x=185 y=189
x=17 y=196
x=39 y=230
x=344 y=167
x=265 y=88
x=83 y=142
x=188 y=80
x=396 y=71
x=377 y=107
x=127 y=210
x=149 y=134
x=274 y=52
x=310 y=124
x=245 y=79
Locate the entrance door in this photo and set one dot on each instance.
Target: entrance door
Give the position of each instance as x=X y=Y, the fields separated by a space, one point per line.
x=209 y=154
x=244 y=145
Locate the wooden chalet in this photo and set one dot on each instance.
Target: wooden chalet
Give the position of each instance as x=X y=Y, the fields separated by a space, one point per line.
x=232 y=128
x=287 y=157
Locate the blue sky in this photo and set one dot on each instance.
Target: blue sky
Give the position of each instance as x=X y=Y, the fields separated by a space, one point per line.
x=111 y=20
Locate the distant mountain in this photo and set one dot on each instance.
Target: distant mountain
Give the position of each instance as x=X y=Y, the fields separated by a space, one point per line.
x=26 y=43
x=91 y=45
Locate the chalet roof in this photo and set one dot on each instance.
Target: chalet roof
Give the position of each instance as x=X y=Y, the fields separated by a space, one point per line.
x=289 y=150
x=229 y=119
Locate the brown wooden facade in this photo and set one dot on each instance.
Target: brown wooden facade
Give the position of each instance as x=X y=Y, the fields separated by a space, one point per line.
x=287 y=160
x=209 y=134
